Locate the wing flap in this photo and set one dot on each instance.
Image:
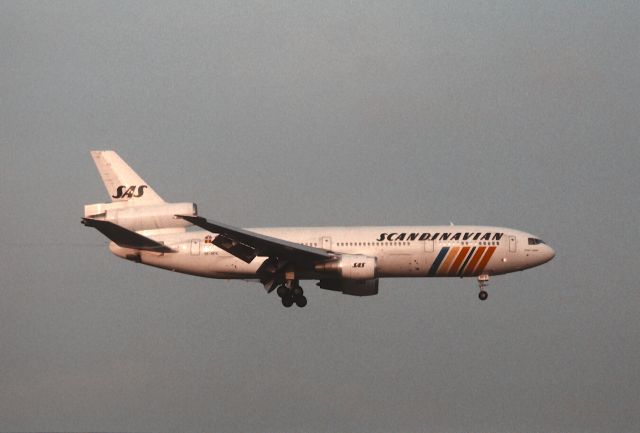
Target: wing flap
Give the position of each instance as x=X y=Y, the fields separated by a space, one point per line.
x=242 y=251
x=126 y=238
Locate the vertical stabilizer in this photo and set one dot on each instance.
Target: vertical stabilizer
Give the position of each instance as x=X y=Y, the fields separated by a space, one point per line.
x=122 y=183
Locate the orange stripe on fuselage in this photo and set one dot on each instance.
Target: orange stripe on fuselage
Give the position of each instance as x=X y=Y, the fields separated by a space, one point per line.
x=474 y=261
x=456 y=264
x=485 y=259
x=447 y=261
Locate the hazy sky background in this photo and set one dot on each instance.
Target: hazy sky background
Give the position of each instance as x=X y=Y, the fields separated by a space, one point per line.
x=517 y=114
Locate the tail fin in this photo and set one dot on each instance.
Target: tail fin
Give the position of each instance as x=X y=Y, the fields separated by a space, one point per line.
x=122 y=183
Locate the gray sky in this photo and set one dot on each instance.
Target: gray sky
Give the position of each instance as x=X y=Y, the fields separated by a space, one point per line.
x=518 y=114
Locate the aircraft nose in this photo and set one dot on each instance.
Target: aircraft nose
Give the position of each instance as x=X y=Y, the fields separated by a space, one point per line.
x=549 y=253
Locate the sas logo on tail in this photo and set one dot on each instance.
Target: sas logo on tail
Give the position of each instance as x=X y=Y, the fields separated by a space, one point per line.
x=130 y=192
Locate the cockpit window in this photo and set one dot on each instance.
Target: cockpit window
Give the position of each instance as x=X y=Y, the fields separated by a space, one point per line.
x=534 y=241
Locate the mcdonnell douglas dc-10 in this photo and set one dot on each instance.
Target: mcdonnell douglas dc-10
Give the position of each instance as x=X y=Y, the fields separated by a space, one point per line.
x=144 y=228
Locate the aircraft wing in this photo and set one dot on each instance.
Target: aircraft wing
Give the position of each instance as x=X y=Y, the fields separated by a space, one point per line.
x=246 y=245
x=126 y=238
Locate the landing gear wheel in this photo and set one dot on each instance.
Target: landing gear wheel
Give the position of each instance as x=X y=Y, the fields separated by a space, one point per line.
x=282 y=291
x=290 y=292
x=287 y=301
x=301 y=301
x=297 y=292
x=483 y=281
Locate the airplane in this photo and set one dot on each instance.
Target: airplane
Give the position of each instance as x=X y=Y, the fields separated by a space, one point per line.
x=144 y=228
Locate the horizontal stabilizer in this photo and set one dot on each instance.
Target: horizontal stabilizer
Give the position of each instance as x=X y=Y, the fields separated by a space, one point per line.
x=126 y=238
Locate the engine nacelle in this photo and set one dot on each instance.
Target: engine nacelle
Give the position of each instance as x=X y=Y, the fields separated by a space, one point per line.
x=350 y=266
x=351 y=287
x=139 y=218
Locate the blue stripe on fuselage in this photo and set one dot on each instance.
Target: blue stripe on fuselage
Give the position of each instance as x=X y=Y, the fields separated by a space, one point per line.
x=437 y=261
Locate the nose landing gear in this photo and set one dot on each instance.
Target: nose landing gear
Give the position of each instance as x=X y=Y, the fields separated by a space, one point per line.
x=483 y=281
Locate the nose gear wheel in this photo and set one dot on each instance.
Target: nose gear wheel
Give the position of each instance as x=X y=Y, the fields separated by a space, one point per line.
x=483 y=282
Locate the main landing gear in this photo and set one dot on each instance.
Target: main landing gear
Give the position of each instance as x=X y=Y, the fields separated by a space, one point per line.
x=483 y=281
x=291 y=293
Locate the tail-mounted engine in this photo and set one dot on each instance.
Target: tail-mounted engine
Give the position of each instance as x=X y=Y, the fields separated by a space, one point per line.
x=137 y=218
x=350 y=266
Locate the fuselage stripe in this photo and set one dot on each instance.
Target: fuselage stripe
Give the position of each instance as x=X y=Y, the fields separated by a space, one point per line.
x=474 y=260
x=461 y=271
x=485 y=259
x=447 y=261
x=437 y=261
x=453 y=270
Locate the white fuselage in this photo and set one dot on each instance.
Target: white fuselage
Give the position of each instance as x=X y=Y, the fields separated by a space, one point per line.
x=400 y=251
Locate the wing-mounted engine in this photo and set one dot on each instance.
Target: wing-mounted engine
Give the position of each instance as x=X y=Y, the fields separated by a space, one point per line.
x=137 y=218
x=351 y=287
x=351 y=274
x=350 y=266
